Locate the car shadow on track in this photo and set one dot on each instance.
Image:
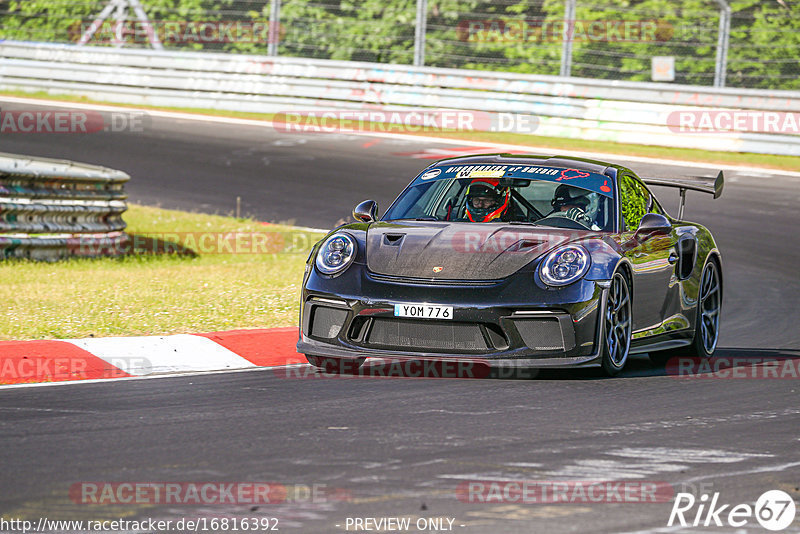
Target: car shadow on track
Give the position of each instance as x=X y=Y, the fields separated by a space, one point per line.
x=734 y=363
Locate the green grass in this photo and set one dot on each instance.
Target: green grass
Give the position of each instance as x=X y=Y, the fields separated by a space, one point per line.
x=556 y=144
x=149 y=294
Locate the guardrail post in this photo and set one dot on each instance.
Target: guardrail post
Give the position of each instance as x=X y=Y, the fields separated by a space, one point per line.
x=569 y=27
x=274 y=27
x=419 y=33
x=722 y=43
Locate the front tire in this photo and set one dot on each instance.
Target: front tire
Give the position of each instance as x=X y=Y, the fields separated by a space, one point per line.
x=617 y=325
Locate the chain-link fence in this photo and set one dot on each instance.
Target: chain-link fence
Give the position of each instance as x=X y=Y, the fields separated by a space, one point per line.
x=750 y=43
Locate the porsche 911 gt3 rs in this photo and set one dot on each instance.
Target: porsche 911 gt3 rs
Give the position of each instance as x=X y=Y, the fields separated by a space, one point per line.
x=518 y=261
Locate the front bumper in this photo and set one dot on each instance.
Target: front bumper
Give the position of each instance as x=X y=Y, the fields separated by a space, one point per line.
x=511 y=323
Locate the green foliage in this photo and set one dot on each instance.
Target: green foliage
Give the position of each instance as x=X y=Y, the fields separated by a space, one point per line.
x=493 y=36
x=765 y=39
x=367 y=30
x=478 y=34
x=65 y=20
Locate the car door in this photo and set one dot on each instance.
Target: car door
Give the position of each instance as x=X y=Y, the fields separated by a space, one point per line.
x=652 y=258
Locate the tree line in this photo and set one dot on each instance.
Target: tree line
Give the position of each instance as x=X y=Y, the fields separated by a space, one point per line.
x=612 y=39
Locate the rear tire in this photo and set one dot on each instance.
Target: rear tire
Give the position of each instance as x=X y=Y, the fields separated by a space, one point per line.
x=706 y=328
x=335 y=365
x=616 y=335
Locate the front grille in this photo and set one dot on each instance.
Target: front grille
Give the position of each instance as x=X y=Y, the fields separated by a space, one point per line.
x=327 y=322
x=541 y=334
x=429 y=335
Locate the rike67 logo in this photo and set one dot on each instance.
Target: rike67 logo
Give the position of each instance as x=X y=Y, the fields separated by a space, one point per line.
x=774 y=510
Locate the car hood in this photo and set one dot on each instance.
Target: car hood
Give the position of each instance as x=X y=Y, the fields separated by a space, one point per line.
x=458 y=251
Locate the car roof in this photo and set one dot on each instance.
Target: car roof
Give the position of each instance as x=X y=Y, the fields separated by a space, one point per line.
x=582 y=164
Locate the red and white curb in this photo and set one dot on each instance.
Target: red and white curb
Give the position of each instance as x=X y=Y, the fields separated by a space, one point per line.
x=35 y=362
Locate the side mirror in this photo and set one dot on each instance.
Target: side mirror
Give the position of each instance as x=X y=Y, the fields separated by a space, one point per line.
x=366 y=212
x=653 y=223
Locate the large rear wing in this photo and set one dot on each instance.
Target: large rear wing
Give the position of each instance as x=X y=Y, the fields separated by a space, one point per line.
x=715 y=189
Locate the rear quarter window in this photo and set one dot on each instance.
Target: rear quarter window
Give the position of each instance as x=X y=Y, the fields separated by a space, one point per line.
x=633 y=199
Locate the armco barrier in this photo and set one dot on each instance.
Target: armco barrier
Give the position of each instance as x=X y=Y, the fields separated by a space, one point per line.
x=626 y=112
x=52 y=209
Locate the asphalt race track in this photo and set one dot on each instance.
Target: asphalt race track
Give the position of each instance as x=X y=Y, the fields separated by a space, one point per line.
x=401 y=447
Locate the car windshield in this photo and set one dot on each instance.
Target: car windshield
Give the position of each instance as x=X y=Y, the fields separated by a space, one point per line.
x=559 y=199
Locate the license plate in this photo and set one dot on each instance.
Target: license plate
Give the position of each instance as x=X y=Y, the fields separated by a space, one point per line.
x=423 y=311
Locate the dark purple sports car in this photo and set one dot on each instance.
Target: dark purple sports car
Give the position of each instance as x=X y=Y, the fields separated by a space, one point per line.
x=516 y=261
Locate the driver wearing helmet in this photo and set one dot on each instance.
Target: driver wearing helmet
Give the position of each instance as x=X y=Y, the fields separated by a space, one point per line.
x=486 y=200
x=571 y=202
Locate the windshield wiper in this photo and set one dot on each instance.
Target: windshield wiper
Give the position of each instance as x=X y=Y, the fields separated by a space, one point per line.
x=523 y=223
x=426 y=218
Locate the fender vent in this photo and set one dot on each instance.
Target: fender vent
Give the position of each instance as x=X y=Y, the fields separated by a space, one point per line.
x=393 y=240
x=686 y=257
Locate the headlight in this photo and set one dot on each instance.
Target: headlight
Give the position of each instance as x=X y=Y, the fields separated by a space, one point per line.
x=565 y=265
x=336 y=253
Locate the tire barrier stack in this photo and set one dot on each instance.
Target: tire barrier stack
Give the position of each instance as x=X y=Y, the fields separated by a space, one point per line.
x=55 y=209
